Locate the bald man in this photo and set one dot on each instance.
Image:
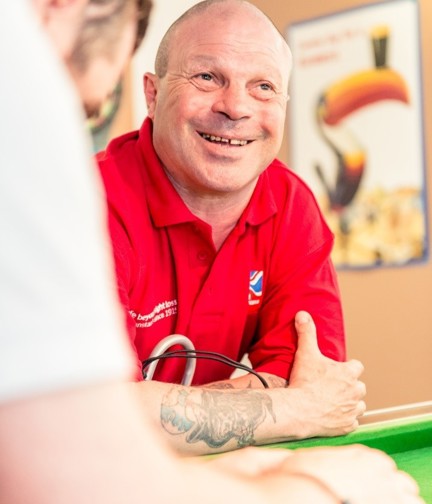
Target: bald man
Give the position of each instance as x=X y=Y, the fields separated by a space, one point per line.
x=217 y=240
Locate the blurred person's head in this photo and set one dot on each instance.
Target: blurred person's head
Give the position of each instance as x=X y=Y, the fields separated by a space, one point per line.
x=111 y=32
x=62 y=19
x=96 y=39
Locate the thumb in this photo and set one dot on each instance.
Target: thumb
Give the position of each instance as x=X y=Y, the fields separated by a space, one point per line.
x=306 y=332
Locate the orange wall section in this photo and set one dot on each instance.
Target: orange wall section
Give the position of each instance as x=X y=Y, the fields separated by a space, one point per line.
x=388 y=311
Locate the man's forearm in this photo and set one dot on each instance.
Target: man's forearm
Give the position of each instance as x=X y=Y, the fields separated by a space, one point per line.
x=250 y=381
x=324 y=398
x=199 y=420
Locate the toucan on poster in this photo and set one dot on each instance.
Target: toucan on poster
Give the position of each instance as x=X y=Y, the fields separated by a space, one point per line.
x=356 y=130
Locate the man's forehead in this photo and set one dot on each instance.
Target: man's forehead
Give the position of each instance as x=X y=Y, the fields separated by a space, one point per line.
x=227 y=18
x=208 y=57
x=231 y=28
x=241 y=27
x=224 y=54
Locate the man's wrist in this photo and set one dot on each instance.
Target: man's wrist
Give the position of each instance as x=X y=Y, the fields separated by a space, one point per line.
x=318 y=482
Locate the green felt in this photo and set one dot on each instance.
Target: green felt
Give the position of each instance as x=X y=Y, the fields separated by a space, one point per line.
x=418 y=463
x=407 y=441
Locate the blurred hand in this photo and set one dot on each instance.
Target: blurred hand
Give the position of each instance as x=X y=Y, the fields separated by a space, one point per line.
x=356 y=474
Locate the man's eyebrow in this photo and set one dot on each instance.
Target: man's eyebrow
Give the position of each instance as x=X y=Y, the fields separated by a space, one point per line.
x=209 y=59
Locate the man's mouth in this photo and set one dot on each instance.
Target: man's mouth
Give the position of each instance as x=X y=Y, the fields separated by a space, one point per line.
x=222 y=140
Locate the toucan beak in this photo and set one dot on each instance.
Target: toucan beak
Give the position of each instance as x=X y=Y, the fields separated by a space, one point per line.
x=358 y=90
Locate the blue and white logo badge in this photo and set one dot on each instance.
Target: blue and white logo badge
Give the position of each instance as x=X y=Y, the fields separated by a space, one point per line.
x=255 y=287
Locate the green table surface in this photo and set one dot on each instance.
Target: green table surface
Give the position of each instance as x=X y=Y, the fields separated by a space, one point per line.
x=407 y=440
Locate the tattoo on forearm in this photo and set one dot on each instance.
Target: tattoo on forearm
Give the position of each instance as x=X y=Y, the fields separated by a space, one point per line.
x=220 y=385
x=276 y=381
x=224 y=385
x=215 y=417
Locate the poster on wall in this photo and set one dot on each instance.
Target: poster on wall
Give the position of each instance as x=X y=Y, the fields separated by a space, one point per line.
x=356 y=130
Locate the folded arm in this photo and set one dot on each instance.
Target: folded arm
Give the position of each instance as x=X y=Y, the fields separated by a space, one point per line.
x=324 y=398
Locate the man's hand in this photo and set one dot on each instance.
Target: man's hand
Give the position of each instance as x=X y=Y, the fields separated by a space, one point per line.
x=356 y=474
x=330 y=393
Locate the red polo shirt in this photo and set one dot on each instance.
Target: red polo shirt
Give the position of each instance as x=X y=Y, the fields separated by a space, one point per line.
x=243 y=298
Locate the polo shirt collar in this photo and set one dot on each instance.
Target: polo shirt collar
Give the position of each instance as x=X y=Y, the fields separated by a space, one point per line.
x=165 y=205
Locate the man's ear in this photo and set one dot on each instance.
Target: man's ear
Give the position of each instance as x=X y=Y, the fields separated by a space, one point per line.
x=150 y=91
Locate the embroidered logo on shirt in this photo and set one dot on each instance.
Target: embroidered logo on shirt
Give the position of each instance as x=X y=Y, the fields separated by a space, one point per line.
x=255 y=287
x=159 y=312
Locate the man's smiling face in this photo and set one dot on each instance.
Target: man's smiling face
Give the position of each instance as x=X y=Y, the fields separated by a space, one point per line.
x=218 y=113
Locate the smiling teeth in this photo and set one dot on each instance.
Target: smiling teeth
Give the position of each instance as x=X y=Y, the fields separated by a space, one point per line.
x=232 y=141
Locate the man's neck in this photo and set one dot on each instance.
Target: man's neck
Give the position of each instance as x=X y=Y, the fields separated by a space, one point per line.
x=220 y=211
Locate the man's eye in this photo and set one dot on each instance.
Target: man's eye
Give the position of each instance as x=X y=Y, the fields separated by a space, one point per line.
x=263 y=91
x=205 y=81
x=205 y=76
x=266 y=87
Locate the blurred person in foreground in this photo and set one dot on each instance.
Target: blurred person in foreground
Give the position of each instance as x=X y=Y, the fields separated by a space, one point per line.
x=71 y=429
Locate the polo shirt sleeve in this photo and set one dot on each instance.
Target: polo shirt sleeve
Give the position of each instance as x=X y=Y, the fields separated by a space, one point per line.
x=123 y=266
x=302 y=277
x=120 y=210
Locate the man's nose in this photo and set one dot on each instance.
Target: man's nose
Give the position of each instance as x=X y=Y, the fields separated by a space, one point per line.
x=234 y=102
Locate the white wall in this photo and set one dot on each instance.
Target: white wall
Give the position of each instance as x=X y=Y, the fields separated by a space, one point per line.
x=164 y=13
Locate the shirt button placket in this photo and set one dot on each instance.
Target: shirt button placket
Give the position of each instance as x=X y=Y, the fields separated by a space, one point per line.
x=202 y=256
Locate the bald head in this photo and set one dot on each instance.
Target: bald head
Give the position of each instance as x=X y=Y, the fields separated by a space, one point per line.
x=214 y=11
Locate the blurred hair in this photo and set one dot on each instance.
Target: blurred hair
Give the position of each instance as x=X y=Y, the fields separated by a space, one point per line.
x=101 y=26
x=144 y=8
